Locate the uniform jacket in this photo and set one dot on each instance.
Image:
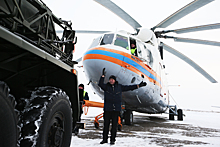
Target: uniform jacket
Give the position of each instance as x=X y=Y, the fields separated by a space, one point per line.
x=113 y=93
x=85 y=95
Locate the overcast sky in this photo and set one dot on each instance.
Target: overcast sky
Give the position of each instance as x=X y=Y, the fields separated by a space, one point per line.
x=195 y=91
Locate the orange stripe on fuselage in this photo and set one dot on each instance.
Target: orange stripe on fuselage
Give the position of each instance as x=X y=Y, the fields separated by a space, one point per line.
x=121 y=63
x=132 y=57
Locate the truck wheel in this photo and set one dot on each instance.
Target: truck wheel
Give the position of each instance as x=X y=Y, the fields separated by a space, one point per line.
x=128 y=116
x=47 y=119
x=8 y=120
x=171 y=115
x=180 y=114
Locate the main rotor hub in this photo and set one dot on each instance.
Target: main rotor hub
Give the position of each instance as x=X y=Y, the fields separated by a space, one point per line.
x=145 y=34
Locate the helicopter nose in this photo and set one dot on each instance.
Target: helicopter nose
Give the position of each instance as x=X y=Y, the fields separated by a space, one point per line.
x=94 y=62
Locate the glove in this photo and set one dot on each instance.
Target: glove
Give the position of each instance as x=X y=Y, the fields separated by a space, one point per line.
x=103 y=72
x=142 y=84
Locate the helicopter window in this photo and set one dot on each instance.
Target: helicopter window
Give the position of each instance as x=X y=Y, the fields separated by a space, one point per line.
x=149 y=57
x=95 y=42
x=107 y=39
x=121 y=41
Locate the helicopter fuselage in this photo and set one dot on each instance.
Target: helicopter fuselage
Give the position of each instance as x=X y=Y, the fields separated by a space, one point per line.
x=112 y=51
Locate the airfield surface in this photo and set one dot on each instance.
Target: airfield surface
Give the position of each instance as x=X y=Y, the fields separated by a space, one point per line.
x=198 y=129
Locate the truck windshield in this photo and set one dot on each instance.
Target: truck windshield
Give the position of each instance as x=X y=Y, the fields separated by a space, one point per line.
x=107 y=39
x=121 y=41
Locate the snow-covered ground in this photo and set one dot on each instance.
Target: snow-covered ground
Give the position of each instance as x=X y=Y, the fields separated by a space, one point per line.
x=199 y=128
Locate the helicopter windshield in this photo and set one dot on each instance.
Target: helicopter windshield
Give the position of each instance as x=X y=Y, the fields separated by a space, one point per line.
x=95 y=42
x=121 y=41
x=107 y=39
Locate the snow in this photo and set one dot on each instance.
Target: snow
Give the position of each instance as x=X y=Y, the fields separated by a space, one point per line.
x=127 y=141
x=208 y=119
x=199 y=128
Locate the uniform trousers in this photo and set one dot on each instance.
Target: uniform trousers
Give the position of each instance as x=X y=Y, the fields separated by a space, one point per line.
x=108 y=117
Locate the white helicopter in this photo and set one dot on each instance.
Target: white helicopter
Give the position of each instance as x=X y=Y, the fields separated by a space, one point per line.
x=112 y=51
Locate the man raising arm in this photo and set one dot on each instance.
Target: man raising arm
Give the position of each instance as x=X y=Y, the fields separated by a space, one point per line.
x=112 y=104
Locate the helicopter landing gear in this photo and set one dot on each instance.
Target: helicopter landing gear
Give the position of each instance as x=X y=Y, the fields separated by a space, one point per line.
x=173 y=111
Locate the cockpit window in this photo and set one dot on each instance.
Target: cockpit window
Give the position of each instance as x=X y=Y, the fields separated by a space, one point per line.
x=121 y=41
x=107 y=39
x=95 y=42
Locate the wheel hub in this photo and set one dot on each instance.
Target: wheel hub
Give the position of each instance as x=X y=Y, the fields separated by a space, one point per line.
x=56 y=135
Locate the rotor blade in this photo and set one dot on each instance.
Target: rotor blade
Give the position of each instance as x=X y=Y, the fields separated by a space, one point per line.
x=196 y=4
x=189 y=61
x=190 y=40
x=216 y=106
x=121 y=13
x=197 y=41
x=91 y=32
x=79 y=60
x=197 y=28
x=86 y=32
x=191 y=29
x=59 y=31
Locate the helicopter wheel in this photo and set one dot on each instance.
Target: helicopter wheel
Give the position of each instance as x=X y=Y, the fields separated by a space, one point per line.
x=180 y=114
x=128 y=116
x=171 y=115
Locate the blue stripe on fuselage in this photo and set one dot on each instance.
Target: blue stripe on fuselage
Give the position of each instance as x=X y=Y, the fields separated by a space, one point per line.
x=126 y=59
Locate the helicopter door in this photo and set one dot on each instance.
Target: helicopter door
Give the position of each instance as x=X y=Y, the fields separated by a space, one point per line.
x=142 y=51
x=139 y=49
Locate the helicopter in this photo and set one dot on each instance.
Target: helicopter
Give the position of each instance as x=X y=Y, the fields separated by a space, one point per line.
x=112 y=51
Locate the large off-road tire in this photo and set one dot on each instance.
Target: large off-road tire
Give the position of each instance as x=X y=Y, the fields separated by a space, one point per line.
x=180 y=114
x=47 y=119
x=8 y=120
x=171 y=115
x=128 y=117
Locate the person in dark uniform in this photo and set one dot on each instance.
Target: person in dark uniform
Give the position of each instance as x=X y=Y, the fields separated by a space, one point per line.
x=83 y=95
x=112 y=104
